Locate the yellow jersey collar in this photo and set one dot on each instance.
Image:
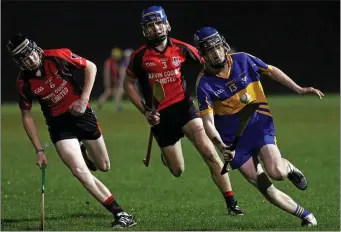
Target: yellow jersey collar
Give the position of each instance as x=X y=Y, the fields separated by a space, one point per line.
x=226 y=73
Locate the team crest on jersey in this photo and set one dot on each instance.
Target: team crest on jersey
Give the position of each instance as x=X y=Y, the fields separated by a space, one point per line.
x=243 y=76
x=244 y=79
x=176 y=61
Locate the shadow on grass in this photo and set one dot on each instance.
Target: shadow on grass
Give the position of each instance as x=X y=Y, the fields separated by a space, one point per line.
x=7 y=222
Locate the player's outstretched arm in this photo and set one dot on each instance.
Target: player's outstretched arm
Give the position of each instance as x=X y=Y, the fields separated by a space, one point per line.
x=134 y=96
x=277 y=74
x=31 y=131
x=213 y=134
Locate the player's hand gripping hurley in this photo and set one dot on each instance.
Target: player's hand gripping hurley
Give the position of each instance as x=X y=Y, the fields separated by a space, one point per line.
x=244 y=116
x=42 y=199
x=159 y=95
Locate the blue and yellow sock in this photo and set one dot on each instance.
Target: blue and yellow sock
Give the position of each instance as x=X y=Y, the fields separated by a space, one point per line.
x=301 y=212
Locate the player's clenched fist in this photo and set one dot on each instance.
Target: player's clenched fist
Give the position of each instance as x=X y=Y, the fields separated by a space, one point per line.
x=41 y=158
x=153 y=117
x=227 y=153
x=78 y=107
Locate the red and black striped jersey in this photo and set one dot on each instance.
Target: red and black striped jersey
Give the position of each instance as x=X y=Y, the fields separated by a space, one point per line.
x=149 y=65
x=53 y=85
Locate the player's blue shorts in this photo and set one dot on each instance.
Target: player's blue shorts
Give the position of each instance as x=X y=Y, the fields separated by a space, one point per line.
x=250 y=147
x=258 y=133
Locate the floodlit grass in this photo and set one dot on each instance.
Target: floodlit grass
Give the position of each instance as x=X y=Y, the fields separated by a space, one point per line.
x=308 y=133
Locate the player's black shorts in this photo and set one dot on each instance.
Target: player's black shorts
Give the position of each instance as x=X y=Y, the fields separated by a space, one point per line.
x=68 y=126
x=172 y=120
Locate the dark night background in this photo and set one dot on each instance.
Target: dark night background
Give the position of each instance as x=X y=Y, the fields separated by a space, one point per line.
x=301 y=38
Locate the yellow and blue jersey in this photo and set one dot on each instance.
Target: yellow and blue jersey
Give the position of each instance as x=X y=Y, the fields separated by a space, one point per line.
x=220 y=94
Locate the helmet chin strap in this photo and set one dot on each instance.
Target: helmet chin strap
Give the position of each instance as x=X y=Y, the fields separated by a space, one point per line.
x=157 y=41
x=220 y=65
x=35 y=68
x=162 y=39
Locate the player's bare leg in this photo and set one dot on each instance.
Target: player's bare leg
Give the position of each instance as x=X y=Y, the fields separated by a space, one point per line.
x=174 y=159
x=104 y=190
x=88 y=160
x=119 y=95
x=70 y=153
x=279 y=168
x=118 y=99
x=253 y=172
x=195 y=132
x=104 y=96
x=97 y=152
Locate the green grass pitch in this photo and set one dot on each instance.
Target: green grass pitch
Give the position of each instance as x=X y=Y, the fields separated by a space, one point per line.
x=308 y=133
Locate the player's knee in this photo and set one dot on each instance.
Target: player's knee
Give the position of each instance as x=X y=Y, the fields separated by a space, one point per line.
x=197 y=132
x=252 y=180
x=277 y=173
x=177 y=171
x=104 y=166
x=80 y=173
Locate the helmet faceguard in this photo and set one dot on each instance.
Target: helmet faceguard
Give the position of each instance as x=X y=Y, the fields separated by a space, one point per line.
x=25 y=52
x=212 y=46
x=155 y=25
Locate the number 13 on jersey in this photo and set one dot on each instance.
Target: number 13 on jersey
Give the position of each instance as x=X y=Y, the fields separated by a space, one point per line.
x=233 y=87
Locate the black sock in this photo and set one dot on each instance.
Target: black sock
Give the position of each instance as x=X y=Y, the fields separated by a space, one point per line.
x=229 y=198
x=112 y=206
